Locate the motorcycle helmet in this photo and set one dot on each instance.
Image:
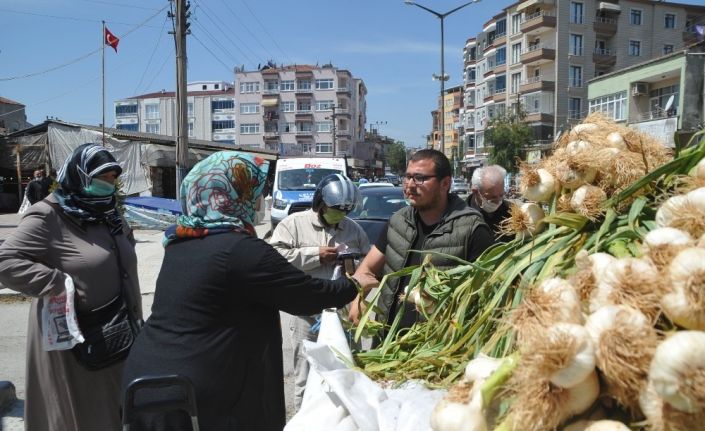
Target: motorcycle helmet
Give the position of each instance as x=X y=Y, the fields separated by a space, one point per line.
x=336 y=191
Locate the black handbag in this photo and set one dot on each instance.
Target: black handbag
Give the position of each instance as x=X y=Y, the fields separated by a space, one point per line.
x=109 y=331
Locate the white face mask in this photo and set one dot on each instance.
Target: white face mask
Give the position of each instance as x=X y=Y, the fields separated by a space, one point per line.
x=259 y=214
x=487 y=205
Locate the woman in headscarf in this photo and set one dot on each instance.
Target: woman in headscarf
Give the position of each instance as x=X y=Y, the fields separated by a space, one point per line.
x=215 y=317
x=75 y=231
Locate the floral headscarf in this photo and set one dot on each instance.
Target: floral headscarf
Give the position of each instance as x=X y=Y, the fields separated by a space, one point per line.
x=219 y=195
x=85 y=163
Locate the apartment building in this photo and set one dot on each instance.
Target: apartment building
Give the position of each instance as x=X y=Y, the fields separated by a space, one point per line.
x=211 y=112
x=300 y=109
x=12 y=116
x=537 y=56
x=451 y=129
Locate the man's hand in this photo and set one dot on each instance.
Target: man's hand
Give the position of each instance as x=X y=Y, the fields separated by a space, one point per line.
x=327 y=255
x=357 y=309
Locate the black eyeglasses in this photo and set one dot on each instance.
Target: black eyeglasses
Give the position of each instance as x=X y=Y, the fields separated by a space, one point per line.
x=417 y=178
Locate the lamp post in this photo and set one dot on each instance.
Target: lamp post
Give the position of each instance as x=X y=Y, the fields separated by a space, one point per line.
x=443 y=77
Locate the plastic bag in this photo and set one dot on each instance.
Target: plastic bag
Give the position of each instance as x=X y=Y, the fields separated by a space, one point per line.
x=60 y=329
x=24 y=206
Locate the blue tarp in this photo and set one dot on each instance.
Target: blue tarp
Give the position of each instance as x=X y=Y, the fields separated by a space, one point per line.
x=150 y=202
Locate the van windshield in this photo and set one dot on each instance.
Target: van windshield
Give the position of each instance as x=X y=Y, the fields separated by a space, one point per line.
x=303 y=179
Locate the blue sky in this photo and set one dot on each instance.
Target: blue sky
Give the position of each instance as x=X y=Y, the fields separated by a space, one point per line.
x=393 y=47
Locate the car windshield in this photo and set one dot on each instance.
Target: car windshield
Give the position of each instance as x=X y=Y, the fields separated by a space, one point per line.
x=303 y=179
x=378 y=203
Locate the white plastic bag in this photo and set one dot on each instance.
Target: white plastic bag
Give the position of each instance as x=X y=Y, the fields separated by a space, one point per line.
x=24 y=206
x=60 y=329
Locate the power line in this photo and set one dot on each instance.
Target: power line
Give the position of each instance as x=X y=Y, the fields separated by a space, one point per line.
x=213 y=39
x=266 y=32
x=212 y=53
x=237 y=46
x=119 y=4
x=247 y=29
x=67 y=18
x=151 y=57
x=76 y=60
x=146 y=87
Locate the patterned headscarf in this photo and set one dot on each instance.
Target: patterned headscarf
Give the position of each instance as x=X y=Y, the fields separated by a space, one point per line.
x=85 y=163
x=219 y=195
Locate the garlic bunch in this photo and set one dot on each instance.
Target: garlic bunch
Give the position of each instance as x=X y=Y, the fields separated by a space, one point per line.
x=587 y=200
x=684 y=212
x=423 y=302
x=662 y=244
x=576 y=131
x=615 y=140
x=684 y=304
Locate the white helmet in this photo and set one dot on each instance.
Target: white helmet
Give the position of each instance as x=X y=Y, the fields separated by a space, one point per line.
x=336 y=191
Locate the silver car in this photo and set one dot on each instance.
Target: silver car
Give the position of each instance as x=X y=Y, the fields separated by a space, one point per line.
x=459 y=186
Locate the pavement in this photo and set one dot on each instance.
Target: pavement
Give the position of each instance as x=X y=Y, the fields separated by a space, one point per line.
x=14 y=310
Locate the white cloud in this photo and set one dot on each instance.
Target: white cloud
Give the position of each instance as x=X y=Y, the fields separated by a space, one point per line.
x=394 y=47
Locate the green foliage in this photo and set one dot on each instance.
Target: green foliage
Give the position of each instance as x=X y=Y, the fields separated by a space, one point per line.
x=507 y=135
x=396 y=157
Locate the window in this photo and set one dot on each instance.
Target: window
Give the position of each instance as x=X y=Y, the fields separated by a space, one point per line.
x=222 y=105
x=152 y=128
x=669 y=20
x=634 y=47
x=635 y=17
x=125 y=110
x=245 y=129
x=501 y=56
x=324 y=105
x=612 y=105
x=516 y=23
x=667 y=49
x=304 y=106
x=189 y=108
x=516 y=53
x=322 y=147
x=304 y=127
x=190 y=128
x=286 y=86
x=306 y=147
x=271 y=86
x=576 y=12
x=575 y=76
x=516 y=82
x=249 y=87
x=204 y=87
x=303 y=84
x=576 y=44
x=288 y=128
x=574 y=105
x=501 y=28
x=288 y=106
x=249 y=108
x=217 y=125
x=129 y=127
x=658 y=99
x=324 y=126
x=501 y=84
x=152 y=111
x=324 y=84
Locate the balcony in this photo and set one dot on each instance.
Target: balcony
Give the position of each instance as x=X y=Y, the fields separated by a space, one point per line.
x=500 y=95
x=272 y=134
x=303 y=91
x=499 y=40
x=345 y=89
x=538 y=23
x=342 y=111
x=536 y=83
x=604 y=57
x=538 y=117
x=343 y=132
x=605 y=26
x=300 y=133
x=303 y=113
x=538 y=54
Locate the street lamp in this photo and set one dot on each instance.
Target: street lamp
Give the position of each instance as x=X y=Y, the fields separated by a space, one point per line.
x=443 y=77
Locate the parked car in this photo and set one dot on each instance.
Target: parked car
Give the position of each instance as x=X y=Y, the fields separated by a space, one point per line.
x=367 y=185
x=394 y=179
x=376 y=206
x=459 y=186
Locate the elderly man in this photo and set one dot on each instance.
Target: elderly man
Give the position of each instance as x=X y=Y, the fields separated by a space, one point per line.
x=435 y=221
x=487 y=196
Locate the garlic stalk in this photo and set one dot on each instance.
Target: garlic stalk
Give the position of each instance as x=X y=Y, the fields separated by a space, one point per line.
x=624 y=343
x=684 y=304
x=677 y=371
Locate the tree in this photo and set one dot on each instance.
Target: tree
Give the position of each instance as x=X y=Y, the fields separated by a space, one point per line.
x=396 y=157
x=507 y=135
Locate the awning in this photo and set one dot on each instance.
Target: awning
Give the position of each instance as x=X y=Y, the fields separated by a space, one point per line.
x=609 y=7
x=526 y=4
x=274 y=101
x=489 y=27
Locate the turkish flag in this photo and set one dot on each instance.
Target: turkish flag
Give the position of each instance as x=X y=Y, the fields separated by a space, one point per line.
x=111 y=39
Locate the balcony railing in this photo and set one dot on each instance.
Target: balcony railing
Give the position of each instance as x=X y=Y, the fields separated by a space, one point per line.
x=270 y=91
x=604 y=51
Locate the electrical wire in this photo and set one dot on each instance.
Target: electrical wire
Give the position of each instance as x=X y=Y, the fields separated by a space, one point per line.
x=267 y=32
x=118 y=4
x=254 y=36
x=76 y=60
x=212 y=53
x=68 y=18
x=151 y=57
x=213 y=39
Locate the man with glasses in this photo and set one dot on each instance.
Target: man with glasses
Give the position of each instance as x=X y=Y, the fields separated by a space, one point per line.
x=436 y=221
x=487 y=196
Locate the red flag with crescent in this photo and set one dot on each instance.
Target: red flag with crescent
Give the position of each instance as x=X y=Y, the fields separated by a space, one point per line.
x=111 y=39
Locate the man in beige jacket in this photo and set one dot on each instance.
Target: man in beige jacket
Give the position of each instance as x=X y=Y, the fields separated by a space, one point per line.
x=312 y=241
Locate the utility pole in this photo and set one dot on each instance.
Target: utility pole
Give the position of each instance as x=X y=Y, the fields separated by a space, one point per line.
x=334 y=117
x=180 y=31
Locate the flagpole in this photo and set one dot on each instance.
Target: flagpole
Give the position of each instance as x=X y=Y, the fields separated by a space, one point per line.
x=102 y=74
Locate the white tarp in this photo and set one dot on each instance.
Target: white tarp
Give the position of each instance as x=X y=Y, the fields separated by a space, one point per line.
x=65 y=139
x=338 y=398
